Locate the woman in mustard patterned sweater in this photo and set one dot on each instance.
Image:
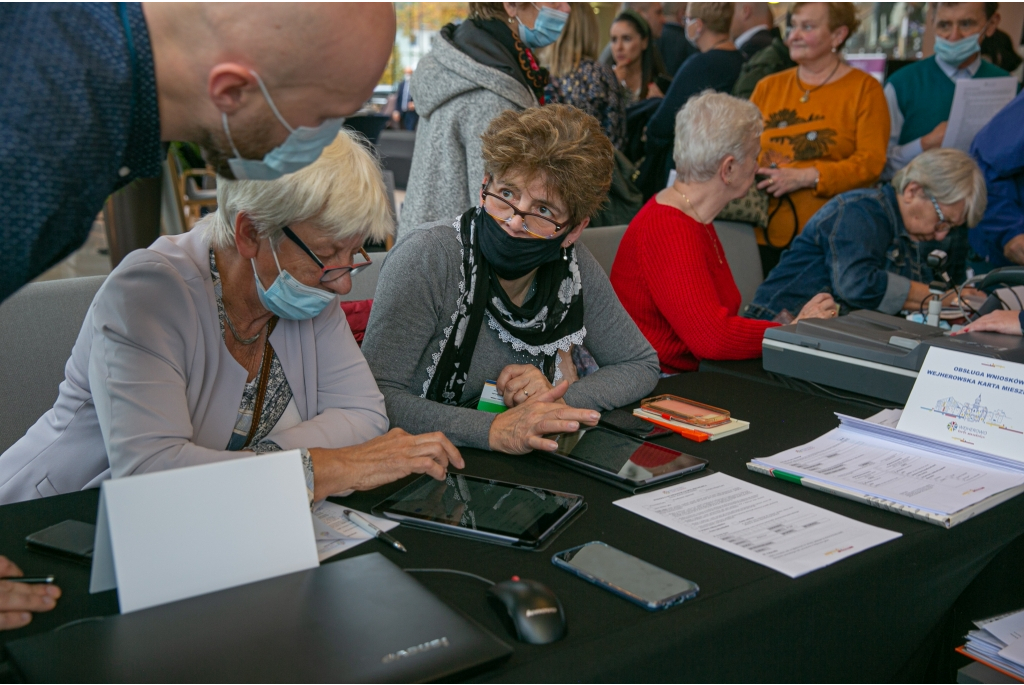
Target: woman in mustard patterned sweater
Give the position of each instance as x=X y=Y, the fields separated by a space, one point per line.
x=826 y=124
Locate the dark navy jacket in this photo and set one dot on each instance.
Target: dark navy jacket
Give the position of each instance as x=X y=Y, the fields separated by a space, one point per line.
x=78 y=120
x=857 y=249
x=999 y=150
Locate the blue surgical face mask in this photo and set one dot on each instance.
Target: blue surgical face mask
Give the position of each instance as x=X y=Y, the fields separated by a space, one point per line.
x=288 y=298
x=546 y=29
x=958 y=52
x=301 y=148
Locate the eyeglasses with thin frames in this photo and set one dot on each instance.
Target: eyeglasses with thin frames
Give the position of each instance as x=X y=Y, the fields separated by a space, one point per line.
x=331 y=273
x=536 y=225
x=944 y=224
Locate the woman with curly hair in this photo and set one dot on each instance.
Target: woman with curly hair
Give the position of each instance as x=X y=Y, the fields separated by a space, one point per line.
x=504 y=292
x=826 y=124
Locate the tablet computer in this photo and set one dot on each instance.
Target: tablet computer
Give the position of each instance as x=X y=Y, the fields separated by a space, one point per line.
x=489 y=510
x=621 y=458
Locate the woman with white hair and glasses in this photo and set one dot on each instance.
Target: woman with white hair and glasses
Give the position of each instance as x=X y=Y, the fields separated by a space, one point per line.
x=228 y=341
x=868 y=248
x=670 y=271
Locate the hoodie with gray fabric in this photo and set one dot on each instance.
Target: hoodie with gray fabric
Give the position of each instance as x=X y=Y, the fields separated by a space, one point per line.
x=456 y=97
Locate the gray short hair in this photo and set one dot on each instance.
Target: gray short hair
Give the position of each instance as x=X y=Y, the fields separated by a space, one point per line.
x=948 y=175
x=711 y=127
x=342 y=193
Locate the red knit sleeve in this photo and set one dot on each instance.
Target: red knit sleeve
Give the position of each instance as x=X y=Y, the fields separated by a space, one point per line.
x=674 y=262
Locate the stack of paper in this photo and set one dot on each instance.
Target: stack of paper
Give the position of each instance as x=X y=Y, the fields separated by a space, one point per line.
x=893 y=474
x=997 y=643
x=942 y=459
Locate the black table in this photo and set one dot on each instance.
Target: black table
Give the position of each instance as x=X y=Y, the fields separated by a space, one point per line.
x=881 y=615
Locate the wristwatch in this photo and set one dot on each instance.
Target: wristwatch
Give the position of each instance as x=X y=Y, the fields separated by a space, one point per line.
x=307 y=467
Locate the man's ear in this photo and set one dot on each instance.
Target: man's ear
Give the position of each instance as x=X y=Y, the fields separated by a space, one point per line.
x=227 y=84
x=247 y=239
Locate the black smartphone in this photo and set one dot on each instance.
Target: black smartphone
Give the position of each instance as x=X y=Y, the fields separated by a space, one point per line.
x=622 y=421
x=628 y=577
x=68 y=540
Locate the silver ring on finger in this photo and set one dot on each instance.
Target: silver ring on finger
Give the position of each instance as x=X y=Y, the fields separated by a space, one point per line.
x=526 y=393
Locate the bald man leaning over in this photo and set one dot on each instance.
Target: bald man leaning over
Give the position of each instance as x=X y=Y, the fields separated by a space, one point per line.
x=92 y=89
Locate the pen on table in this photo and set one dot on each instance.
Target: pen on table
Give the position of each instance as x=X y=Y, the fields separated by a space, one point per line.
x=369 y=527
x=667 y=422
x=29 y=580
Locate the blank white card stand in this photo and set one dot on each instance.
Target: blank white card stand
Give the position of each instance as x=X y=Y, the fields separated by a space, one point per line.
x=170 y=535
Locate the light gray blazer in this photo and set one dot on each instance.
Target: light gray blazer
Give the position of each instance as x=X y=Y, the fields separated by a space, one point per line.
x=150 y=384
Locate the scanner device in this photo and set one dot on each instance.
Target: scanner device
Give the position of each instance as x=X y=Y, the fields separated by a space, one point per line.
x=533 y=609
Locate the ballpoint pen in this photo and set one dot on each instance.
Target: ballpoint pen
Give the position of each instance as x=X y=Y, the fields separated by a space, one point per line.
x=29 y=580
x=667 y=422
x=369 y=527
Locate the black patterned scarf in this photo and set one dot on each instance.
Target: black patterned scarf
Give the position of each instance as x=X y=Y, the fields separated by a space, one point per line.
x=550 y=320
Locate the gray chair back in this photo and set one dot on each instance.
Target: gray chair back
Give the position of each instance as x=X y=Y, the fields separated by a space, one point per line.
x=603 y=243
x=744 y=259
x=38 y=327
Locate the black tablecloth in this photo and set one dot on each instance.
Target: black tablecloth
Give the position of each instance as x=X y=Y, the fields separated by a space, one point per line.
x=880 y=615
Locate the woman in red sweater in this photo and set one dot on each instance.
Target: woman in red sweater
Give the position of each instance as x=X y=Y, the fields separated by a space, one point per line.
x=670 y=271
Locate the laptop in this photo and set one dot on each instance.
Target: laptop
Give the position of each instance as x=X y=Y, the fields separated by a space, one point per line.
x=357 y=620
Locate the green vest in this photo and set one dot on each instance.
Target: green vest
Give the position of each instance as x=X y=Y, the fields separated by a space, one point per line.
x=925 y=95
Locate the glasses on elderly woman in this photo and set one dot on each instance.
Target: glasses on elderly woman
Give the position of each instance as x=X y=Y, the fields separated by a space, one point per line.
x=537 y=225
x=331 y=273
x=944 y=224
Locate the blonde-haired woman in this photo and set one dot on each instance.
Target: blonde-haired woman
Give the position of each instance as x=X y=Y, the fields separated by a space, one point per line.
x=578 y=79
x=228 y=341
x=826 y=124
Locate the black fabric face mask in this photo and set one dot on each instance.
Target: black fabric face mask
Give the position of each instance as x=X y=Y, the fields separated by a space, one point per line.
x=513 y=258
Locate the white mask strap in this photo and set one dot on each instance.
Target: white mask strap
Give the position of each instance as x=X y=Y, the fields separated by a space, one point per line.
x=227 y=132
x=270 y=101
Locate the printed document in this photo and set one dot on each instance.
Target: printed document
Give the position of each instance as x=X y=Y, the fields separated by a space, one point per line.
x=975 y=102
x=779 y=532
x=336 y=534
x=964 y=400
x=877 y=467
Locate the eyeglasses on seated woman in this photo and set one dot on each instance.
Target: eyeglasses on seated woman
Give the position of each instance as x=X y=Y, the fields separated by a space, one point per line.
x=506 y=294
x=228 y=340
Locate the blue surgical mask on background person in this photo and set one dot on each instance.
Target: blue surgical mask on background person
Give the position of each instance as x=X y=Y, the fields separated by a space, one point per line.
x=686 y=32
x=956 y=53
x=546 y=29
x=301 y=148
x=288 y=298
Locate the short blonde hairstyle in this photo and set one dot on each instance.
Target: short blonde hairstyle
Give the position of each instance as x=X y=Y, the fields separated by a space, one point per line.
x=579 y=40
x=839 y=14
x=560 y=143
x=949 y=175
x=711 y=127
x=342 y=193
x=717 y=16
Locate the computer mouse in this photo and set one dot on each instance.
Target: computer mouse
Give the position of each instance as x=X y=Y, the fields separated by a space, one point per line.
x=534 y=610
